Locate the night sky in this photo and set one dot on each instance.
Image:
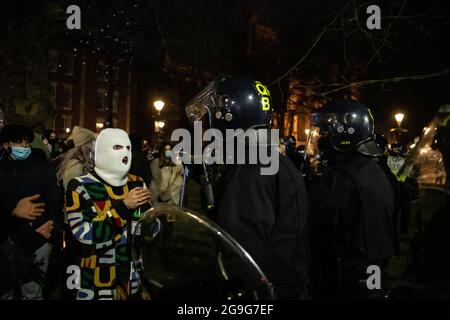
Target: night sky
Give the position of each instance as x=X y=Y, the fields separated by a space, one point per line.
x=213 y=38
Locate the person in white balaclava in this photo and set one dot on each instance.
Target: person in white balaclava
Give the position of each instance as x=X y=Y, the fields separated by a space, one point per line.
x=102 y=209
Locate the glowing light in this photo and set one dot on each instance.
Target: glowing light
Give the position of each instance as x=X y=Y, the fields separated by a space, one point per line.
x=159 y=105
x=399 y=118
x=159 y=125
x=67 y=130
x=99 y=125
x=307 y=131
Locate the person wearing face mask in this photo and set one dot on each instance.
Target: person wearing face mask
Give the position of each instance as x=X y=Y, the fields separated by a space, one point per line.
x=30 y=207
x=167 y=177
x=102 y=209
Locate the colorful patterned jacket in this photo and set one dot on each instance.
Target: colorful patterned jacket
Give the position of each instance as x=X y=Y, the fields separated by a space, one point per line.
x=102 y=227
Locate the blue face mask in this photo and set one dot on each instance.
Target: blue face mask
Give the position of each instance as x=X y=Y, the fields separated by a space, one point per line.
x=20 y=153
x=167 y=154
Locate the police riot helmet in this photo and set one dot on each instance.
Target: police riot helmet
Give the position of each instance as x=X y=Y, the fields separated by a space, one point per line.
x=343 y=126
x=381 y=142
x=397 y=150
x=232 y=103
x=289 y=142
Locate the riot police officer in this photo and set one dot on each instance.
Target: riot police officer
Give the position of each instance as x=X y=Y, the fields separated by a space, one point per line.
x=266 y=214
x=396 y=159
x=352 y=202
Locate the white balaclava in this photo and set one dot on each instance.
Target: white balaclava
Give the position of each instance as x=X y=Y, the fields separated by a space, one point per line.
x=113 y=156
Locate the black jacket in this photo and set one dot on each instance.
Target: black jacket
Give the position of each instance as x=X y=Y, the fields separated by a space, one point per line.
x=267 y=215
x=352 y=222
x=20 y=179
x=140 y=166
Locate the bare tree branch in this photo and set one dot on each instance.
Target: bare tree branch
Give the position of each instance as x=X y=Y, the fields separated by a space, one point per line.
x=343 y=86
x=386 y=33
x=316 y=41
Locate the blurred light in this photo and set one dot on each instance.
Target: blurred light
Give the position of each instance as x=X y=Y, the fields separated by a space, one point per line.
x=424 y=150
x=159 y=125
x=67 y=130
x=159 y=105
x=99 y=125
x=399 y=118
x=307 y=131
x=412 y=146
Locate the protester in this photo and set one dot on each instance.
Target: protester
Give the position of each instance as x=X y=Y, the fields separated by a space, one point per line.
x=79 y=160
x=102 y=208
x=30 y=200
x=167 y=177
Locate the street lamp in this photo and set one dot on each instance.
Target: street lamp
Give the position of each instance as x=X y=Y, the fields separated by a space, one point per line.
x=399 y=118
x=159 y=105
x=99 y=125
x=159 y=125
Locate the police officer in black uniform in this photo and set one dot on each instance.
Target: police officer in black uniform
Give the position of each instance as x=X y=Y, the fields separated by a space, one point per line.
x=266 y=214
x=352 y=202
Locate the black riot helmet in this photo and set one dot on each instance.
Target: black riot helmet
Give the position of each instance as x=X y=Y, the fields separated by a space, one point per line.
x=397 y=150
x=232 y=103
x=342 y=126
x=381 y=142
x=289 y=142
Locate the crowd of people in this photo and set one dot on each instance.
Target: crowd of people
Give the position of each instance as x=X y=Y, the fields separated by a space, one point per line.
x=49 y=189
x=314 y=227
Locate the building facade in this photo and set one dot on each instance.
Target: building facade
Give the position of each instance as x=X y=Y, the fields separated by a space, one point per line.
x=80 y=92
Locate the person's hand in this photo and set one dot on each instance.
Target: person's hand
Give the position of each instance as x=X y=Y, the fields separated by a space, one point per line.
x=27 y=209
x=46 y=229
x=137 y=197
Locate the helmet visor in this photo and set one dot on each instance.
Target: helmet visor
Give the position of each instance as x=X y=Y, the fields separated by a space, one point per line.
x=311 y=148
x=201 y=104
